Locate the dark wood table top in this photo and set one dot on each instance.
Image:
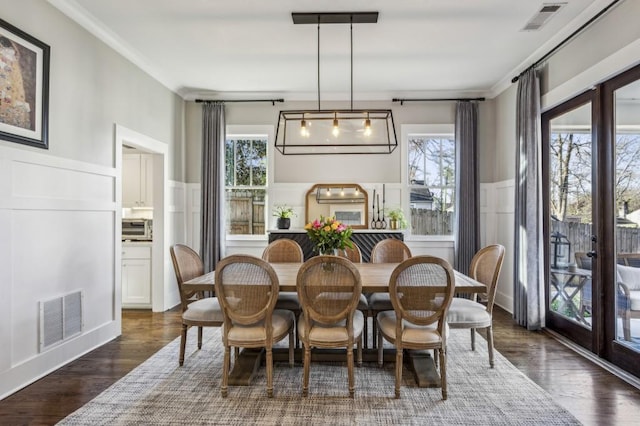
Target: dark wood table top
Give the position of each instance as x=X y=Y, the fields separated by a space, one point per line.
x=375 y=278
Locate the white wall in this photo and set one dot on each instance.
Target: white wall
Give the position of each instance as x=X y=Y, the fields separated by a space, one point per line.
x=292 y=176
x=59 y=208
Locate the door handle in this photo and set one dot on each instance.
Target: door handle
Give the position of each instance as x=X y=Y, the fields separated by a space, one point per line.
x=592 y=254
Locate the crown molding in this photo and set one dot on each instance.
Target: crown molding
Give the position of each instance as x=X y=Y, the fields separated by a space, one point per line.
x=94 y=26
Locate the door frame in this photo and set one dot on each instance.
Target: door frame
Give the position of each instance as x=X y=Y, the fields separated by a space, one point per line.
x=557 y=322
x=160 y=262
x=612 y=350
x=601 y=340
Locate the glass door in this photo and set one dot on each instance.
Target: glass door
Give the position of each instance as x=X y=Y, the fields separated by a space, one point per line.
x=591 y=175
x=624 y=287
x=568 y=150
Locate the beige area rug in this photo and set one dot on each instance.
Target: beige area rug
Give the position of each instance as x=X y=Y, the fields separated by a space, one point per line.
x=161 y=392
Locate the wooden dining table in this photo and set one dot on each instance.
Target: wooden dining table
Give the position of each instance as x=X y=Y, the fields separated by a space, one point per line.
x=374 y=276
x=375 y=279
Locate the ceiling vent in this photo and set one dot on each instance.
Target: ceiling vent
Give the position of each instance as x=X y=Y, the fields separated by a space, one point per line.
x=546 y=12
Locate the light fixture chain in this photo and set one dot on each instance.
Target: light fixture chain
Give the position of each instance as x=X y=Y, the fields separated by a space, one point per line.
x=351 y=32
x=318 y=62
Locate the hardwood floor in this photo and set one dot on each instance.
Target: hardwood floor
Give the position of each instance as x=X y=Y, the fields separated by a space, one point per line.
x=590 y=393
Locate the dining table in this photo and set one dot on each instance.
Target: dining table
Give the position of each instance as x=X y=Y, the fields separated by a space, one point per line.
x=375 y=279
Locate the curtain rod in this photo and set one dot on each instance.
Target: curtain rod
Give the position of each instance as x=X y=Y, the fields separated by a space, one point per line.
x=402 y=101
x=273 y=101
x=566 y=40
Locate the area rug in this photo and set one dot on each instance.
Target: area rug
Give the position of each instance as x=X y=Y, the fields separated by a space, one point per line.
x=161 y=392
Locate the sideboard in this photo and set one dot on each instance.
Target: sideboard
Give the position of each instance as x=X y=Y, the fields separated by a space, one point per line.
x=364 y=238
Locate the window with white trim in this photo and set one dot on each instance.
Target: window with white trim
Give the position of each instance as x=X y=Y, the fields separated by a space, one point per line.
x=245 y=184
x=431 y=181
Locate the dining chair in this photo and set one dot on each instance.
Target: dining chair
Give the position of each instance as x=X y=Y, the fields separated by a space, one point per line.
x=285 y=250
x=197 y=310
x=389 y=250
x=248 y=287
x=421 y=289
x=354 y=254
x=468 y=313
x=329 y=288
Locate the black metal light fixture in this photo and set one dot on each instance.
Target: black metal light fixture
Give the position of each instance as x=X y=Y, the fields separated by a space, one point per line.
x=560 y=257
x=336 y=131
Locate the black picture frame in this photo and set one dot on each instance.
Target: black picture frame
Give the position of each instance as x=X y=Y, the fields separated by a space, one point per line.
x=24 y=80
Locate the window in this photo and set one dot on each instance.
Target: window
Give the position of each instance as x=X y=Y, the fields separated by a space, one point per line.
x=431 y=179
x=245 y=184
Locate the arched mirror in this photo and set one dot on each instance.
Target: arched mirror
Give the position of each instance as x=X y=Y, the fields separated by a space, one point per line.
x=346 y=201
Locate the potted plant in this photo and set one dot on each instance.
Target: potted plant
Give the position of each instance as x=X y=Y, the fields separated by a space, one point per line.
x=397 y=219
x=284 y=214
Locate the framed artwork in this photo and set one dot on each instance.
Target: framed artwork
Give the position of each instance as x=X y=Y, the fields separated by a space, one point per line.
x=348 y=215
x=24 y=87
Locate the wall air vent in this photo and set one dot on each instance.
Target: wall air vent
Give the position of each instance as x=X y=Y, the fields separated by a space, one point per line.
x=546 y=12
x=60 y=319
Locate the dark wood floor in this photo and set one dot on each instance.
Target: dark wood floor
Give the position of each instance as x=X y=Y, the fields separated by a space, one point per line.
x=593 y=395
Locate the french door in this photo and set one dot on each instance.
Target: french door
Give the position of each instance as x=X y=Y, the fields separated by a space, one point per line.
x=591 y=170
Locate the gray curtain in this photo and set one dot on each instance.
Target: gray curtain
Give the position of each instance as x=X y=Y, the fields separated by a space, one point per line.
x=467 y=211
x=528 y=292
x=212 y=196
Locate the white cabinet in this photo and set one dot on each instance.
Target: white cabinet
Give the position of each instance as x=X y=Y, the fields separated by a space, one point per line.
x=136 y=275
x=137 y=180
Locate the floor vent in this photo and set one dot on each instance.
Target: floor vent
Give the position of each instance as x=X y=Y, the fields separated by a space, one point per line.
x=60 y=319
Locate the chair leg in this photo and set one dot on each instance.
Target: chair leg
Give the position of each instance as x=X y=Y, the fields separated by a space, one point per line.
x=296 y=314
x=305 y=375
x=398 y=371
x=366 y=328
x=443 y=373
x=269 y=372
x=626 y=325
x=360 y=351
x=352 y=387
x=490 y=345
x=473 y=339
x=436 y=357
x=236 y=354
x=199 y=337
x=225 y=371
x=374 y=327
x=183 y=343
x=291 y=347
x=380 y=349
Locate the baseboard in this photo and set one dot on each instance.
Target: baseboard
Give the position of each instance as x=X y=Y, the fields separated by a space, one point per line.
x=613 y=369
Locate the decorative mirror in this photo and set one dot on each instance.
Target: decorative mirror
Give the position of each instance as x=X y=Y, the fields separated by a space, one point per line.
x=346 y=201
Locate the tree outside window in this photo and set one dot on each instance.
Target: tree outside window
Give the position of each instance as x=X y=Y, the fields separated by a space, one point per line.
x=432 y=160
x=570 y=175
x=245 y=184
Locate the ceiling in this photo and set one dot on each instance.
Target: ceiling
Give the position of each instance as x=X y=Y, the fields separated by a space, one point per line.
x=241 y=49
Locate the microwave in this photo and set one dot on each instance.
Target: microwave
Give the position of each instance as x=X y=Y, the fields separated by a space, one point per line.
x=137 y=229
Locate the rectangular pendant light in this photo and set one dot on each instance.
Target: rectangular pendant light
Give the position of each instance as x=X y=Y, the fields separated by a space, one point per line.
x=317 y=135
x=340 y=131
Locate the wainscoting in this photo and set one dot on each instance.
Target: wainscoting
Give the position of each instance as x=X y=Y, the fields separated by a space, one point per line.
x=58 y=219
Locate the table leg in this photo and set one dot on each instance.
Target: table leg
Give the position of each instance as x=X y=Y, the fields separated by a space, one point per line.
x=245 y=366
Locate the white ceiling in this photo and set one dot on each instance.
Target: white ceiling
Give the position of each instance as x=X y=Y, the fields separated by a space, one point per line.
x=251 y=48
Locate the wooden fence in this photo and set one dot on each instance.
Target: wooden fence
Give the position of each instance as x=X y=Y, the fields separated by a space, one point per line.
x=431 y=222
x=579 y=235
